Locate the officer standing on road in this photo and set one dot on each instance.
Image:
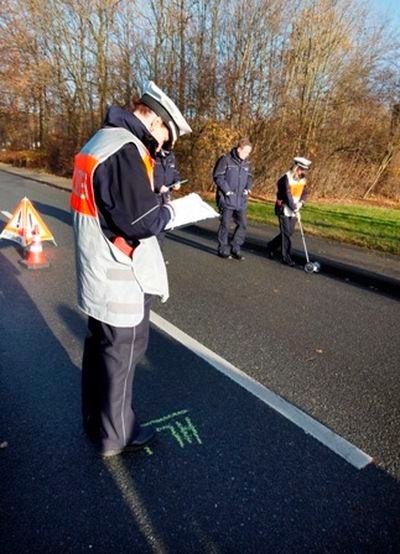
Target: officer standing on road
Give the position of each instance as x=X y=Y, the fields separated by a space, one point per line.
x=165 y=175
x=291 y=195
x=232 y=176
x=116 y=217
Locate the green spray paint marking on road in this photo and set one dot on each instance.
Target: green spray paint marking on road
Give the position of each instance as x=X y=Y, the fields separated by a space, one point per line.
x=165 y=418
x=184 y=432
x=188 y=429
x=174 y=433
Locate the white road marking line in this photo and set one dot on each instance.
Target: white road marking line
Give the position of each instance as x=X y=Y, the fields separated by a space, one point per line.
x=310 y=426
x=7 y=214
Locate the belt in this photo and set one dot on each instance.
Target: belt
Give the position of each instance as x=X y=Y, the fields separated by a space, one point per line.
x=123 y=245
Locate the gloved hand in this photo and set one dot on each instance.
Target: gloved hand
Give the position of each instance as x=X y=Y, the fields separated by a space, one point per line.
x=246 y=192
x=163 y=189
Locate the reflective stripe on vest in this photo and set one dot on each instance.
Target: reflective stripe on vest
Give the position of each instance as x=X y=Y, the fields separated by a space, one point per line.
x=101 y=146
x=111 y=285
x=296 y=187
x=296 y=190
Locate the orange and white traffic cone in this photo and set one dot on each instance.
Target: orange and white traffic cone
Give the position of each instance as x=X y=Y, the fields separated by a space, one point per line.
x=35 y=258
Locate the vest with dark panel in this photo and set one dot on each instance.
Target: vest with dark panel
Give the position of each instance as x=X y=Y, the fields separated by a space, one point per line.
x=111 y=284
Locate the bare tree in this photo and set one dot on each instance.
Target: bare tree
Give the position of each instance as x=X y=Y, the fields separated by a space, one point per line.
x=301 y=77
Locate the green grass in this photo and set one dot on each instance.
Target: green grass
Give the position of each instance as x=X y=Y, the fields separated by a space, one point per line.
x=377 y=228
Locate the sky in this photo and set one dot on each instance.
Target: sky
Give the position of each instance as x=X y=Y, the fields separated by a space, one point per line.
x=389 y=8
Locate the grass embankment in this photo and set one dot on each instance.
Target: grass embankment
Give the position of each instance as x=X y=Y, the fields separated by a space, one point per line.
x=374 y=227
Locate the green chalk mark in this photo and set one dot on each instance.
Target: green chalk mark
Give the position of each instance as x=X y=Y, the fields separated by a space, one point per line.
x=173 y=433
x=188 y=430
x=182 y=432
x=165 y=418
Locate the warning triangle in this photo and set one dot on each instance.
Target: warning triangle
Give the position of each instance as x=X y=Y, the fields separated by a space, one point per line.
x=23 y=222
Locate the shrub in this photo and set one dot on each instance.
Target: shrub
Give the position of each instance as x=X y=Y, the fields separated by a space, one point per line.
x=31 y=159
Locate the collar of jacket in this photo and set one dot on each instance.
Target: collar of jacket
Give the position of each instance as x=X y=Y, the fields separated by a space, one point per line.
x=117 y=117
x=235 y=156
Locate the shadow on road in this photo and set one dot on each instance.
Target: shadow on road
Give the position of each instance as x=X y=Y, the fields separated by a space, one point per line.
x=190 y=242
x=237 y=477
x=74 y=320
x=47 y=210
x=362 y=279
x=227 y=475
x=57 y=495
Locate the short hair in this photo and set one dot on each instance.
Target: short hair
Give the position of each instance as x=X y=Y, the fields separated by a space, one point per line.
x=137 y=105
x=244 y=141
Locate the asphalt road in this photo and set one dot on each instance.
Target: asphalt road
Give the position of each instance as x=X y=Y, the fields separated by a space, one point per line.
x=228 y=473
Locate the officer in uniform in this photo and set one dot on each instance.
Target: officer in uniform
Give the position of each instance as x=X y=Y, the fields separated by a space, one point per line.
x=165 y=175
x=116 y=217
x=290 y=197
x=232 y=176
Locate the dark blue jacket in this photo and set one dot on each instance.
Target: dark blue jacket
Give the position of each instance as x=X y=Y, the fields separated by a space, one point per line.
x=165 y=171
x=122 y=188
x=232 y=176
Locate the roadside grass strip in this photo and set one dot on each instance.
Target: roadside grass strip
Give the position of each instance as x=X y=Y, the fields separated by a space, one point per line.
x=369 y=226
x=310 y=426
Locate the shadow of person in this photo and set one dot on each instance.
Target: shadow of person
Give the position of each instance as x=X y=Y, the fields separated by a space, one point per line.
x=190 y=242
x=56 y=492
x=75 y=320
x=48 y=210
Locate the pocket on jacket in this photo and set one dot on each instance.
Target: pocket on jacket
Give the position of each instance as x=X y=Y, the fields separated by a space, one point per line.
x=230 y=201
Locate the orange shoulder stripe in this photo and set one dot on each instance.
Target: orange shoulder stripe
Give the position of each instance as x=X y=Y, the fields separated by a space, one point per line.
x=82 y=196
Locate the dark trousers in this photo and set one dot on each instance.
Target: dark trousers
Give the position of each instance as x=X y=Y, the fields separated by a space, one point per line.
x=240 y=219
x=283 y=241
x=109 y=359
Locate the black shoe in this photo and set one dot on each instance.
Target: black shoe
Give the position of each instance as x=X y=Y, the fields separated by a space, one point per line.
x=145 y=437
x=223 y=255
x=288 y=261
x=237 y=256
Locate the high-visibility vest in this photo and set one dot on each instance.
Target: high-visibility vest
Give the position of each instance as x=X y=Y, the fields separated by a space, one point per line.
x=296 y=190
x=111 y=283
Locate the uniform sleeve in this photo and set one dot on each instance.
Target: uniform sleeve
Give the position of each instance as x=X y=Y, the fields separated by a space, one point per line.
x=219 y=175
x=127 y=205
x=175 y=172
x=304 y=194
x=249 y=185
x=159 y=175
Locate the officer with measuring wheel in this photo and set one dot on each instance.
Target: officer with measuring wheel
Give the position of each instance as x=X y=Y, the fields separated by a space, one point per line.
x=290 y=198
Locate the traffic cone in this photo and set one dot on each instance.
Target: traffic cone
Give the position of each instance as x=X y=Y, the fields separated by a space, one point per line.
x=35 y=258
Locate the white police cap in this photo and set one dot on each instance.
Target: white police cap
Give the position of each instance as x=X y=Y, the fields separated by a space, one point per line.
x=155 y=99
x=302 y=162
